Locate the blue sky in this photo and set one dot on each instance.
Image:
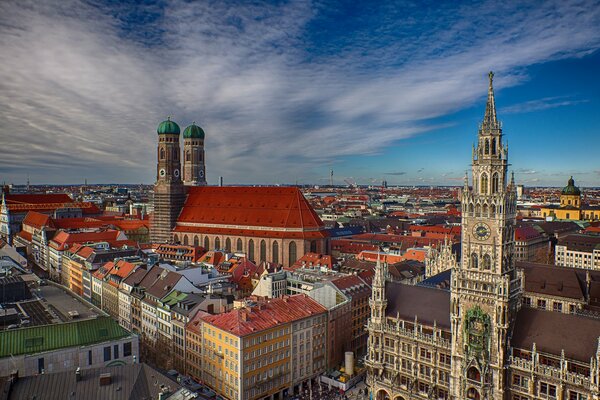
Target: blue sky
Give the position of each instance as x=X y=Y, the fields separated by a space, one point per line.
x=287 y=90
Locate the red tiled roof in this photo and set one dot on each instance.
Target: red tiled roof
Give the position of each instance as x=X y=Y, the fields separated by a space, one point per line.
x=38 y=220
x=526 y=233
x=253 y=232
x=25 y=235
x=37 y=198
x=266 y=315
x=273 y=207
x=62 y=239
x=314 y=259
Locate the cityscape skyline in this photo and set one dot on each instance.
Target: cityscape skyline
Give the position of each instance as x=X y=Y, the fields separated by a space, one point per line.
x=423 y=87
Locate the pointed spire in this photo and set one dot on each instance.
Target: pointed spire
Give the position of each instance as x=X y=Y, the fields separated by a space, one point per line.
x=490 y=122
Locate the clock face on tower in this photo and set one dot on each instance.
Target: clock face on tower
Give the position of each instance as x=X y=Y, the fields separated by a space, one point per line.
x=481 y=231
x=201 y=173
x=162 y=172
x=176 y=173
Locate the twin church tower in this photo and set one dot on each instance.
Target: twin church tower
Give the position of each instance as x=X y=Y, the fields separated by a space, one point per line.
x=171 y=180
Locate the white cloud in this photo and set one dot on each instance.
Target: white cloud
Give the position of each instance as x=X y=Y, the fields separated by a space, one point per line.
x=81 y=96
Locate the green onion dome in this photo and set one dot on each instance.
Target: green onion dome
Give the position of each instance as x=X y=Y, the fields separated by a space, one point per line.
x=193 y=132
x=571 y=189
x=168 y=127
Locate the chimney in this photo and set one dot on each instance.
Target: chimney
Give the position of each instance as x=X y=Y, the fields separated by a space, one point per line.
x=77 y=374
x=105 y=379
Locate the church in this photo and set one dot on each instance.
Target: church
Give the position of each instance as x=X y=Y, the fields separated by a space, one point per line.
x=479 y=339
x=273 y=224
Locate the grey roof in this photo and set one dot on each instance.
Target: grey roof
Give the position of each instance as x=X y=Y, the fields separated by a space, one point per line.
x=553 y=331
x=429 y=305
x=138 y=381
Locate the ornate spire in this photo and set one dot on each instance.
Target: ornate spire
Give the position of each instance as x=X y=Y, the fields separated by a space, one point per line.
x=490 y=122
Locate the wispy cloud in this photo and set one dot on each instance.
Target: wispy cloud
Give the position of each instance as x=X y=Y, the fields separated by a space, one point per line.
x=541 y=104
x=277 y=88
x=395 y=173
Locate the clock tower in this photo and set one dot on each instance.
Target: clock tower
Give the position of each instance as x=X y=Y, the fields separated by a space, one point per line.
x=485 y=285
x=169 y=192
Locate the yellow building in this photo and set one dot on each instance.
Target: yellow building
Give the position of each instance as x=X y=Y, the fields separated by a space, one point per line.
x=249 y=353
x=571 y=207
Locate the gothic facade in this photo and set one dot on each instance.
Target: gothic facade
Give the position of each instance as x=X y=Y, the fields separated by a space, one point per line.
x=477 y=340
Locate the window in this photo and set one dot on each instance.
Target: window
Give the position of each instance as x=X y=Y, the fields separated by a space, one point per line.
x=185 y=240
x=263 y=250
x=239 y=245
x=573 y=395
x=484 y=183
x=487 y=262
x=228 y=244
x=474 y=261
x=494 y=146
x=495 y=183
x=126 y=349
x=541 y=304
x=487 y=146
x=206 y=243
x=557 y=306
x=292 y=253
x=275 y=252
x=520 y=381
x=547 y=390
x=217 y=243
x=40 y=365
x=90 y=361
x=116 y=351
x=251 y=250
x=107 y=353
x=162 y=153
x=196 y=241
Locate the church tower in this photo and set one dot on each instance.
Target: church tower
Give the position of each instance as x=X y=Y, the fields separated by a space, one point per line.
x=485 y=285
x=169 y=192
x=194 y=171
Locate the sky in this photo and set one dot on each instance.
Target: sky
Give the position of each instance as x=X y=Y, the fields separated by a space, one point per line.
x=288 y=90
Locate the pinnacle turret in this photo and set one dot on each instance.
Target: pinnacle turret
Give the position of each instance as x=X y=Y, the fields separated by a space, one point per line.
x=490 y=121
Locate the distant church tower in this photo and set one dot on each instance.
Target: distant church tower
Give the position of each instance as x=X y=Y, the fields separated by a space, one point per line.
x=485 y=285
x=194 y=172
x=169 y=192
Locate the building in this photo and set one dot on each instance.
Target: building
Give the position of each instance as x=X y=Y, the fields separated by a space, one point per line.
x=578 y=251
x=275 y=224
x=477 y=340
x=571 y=207
x=137 y=381
x=88 y=343
x=254 y=353
x=15 y=207
x=531 y=244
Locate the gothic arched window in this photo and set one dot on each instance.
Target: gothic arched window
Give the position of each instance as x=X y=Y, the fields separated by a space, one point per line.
x=493 y=209
x=477 y=210
x=471 y=208
x=251 y=250
x=176 y=239
x=196 y=241
x=487 y=262
x=484 y=183
x=217 y=243
x=495 y=183
x=185 y=240
x=275 y=252
x=187 y=156
x=292 y=255
x=263 y=250
x=239 y=245
x=206 y=243
x=228 y=245
x=313 y=246
x=485 y=210
x=487 y=146
x=473 y=374
x=474 y=261
x=494 y=146
x=162 y=153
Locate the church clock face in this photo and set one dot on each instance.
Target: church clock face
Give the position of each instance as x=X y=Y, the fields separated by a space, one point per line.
x=176 y=173
x=481 y=231
x=162 y=172
x=201 y=173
